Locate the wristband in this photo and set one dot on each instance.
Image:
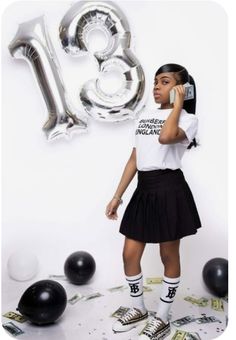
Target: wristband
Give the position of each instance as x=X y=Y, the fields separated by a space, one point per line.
x=119 y=199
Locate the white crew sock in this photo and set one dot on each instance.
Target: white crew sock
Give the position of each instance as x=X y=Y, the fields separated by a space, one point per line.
x=136 y=291
x=168 y=292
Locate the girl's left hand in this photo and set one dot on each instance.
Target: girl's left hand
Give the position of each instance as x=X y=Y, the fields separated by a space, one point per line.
x=179 y=96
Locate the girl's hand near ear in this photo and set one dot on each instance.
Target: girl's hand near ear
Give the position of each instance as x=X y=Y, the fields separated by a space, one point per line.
x=111 y=210
x=179 y=96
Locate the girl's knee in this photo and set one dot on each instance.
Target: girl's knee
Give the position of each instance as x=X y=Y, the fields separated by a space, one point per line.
x=170 y=258
x=129 y=257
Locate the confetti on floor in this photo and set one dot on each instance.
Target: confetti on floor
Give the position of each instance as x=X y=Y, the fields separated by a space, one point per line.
x=91 y=319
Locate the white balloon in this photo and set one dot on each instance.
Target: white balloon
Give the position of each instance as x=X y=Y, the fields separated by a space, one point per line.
x=22 y=265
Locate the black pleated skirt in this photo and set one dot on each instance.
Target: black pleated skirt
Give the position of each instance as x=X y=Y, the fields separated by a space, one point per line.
x=161 y=209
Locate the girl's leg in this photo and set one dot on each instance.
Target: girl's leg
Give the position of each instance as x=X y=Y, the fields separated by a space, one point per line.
x=170 y=258
x=137 y=314
x=132 y=254
x=157 y=328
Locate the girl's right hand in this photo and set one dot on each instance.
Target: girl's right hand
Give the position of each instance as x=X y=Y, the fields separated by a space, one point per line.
x=111 y=210
x=179 y=96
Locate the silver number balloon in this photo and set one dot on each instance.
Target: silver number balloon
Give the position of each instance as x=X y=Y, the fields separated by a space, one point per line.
x=33 y=44
x=78 y=22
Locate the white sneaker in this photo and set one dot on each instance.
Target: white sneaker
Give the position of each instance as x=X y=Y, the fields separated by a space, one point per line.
x=132 y=318
x=156 y=329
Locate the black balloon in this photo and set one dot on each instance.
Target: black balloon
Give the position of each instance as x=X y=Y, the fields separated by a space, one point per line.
x=79 y=267
x=43 y=302
x=215 y=276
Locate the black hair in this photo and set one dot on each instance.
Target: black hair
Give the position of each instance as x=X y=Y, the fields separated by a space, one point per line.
x=182 y=77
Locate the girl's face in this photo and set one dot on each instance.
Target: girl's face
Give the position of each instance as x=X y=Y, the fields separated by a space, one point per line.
x=162 y=85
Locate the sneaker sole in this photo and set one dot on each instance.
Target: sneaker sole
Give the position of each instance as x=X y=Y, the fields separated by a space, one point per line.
x=134 y=325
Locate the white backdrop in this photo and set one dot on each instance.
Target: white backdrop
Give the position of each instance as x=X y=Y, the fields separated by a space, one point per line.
x=55 y=194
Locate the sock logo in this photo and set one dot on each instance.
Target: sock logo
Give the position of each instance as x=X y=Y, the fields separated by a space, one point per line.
x=171 y=292
x=134 y=288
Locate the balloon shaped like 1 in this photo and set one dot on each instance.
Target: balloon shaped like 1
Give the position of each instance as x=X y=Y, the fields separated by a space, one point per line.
x=75 y=27
x=33 y=44
x=22 y=265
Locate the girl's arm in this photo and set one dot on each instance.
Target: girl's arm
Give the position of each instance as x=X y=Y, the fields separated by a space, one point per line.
x=127 y=176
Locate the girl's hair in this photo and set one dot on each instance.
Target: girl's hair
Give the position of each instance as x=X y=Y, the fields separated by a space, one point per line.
x=182 y=76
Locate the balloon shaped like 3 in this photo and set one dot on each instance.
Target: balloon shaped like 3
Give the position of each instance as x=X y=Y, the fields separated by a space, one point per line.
x=33 y=44
x=75 y=27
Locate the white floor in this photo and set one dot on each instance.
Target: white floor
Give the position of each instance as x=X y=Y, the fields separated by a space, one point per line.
x=91 y=320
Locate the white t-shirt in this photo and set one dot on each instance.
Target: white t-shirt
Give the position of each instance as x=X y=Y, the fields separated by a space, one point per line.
x=152 y=155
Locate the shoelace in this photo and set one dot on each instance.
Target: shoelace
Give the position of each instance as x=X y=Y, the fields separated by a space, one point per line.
x=129 y=314
x=152 y=326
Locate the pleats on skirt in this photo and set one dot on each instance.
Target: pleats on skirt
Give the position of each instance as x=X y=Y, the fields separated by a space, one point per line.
x=161 y=209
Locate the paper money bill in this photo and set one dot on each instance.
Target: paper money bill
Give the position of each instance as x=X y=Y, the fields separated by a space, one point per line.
x=207 y=319
x=119 y=312
x=58 y=277
x=147 y=289
x=75 y=298
x=179 y=335
x=190 y=299
x=153 y=280
x=117 y=289
x=192 y=336
x=202 y=302
x=15 y=316
x=91 y=296
x=183 y=321
x=189 y=93
x=12 y=328
x=217 y=304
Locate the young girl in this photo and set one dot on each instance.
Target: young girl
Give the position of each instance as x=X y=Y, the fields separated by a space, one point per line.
x=162 y=209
